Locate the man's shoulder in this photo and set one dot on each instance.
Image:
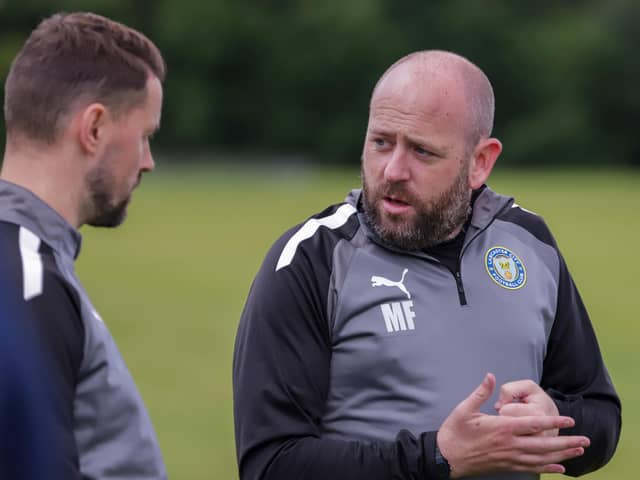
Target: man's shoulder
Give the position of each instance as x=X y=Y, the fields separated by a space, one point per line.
x=29 y=263
x=20 y=252
x=530 y=221
x=295 y=277
x=42 y=298
x=315 y=238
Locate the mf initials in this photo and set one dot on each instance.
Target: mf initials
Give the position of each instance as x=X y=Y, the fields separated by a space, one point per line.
x=398 y=316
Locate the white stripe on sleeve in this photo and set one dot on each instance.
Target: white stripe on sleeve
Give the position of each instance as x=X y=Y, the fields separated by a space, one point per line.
x=32 y=270
x=333 y=221
x=515 y=205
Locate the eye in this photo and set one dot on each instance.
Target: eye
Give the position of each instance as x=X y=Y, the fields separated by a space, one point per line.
x=380 y=143
x=421 y=151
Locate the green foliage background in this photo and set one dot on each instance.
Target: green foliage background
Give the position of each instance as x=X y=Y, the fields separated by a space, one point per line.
x=171 y=282
x=293 y=77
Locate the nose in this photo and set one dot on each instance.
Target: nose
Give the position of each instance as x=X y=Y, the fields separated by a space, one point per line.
x=148 y=164
x=397 y=168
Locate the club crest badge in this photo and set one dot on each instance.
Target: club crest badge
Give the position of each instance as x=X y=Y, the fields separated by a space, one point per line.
x=505 y=268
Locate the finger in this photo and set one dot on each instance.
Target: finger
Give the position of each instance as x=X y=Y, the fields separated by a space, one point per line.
x=520 y=410
x=526 y=410
x=554 y=458
x=480 y=395
x=533 y=425
x=516 y=391
x=546 y=462
x=551 y=468
x=549 y=446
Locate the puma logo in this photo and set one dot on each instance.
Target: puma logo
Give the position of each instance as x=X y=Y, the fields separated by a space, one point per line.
x=377 y=281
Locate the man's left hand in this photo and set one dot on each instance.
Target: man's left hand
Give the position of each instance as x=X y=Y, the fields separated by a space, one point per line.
x=526 y=398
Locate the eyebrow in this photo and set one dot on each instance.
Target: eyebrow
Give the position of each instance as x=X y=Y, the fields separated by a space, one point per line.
x=436 y=149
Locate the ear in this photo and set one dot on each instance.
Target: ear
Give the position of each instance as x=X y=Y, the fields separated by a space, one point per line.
x=93 y=124
x=484 y=158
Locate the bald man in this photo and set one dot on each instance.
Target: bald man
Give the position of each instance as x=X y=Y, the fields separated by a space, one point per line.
x=376 y=331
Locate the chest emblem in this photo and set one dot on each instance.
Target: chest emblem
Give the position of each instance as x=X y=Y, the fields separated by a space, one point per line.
x=505 y=268
x=397 y=316
x=377 y=281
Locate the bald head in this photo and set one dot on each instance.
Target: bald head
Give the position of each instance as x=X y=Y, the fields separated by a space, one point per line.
x=457 y=79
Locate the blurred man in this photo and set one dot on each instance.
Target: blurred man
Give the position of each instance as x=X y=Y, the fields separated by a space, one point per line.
x=82 y=98
x=369 y=324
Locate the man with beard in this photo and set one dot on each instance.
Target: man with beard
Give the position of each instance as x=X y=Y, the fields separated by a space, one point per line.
x=370 y=325
x=82 y=98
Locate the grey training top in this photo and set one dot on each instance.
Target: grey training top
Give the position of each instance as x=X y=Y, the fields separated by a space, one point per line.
x=350 y=353
x=101 y=416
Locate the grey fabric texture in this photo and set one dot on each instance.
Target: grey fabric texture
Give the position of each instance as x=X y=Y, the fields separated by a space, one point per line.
x=114 y=435
x=383 y=381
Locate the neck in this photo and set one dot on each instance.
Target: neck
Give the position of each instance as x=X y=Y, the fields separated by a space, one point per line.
x=49 y=176
x=455 y=233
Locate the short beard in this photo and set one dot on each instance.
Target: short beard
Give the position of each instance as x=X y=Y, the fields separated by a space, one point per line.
x=103 y=212
x=434 y=222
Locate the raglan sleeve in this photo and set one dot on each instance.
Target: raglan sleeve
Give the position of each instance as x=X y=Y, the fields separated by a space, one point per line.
x=281 y=372
x=52 y=324
x=575 y=376
x=56 y=322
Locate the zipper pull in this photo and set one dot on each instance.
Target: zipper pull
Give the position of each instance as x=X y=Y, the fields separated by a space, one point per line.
x=461 y=295
x=459 y=282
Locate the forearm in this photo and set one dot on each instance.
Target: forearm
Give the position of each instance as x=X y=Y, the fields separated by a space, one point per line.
x=597 y=418
x=313 y=458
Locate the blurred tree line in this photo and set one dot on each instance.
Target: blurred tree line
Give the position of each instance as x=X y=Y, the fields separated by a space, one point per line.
x=293 y=77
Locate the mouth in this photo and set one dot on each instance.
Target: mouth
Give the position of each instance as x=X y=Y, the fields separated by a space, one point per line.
x=395 y=200
x=395 y=205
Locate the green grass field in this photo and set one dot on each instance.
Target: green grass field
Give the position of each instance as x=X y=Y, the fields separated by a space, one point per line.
x=172 y=281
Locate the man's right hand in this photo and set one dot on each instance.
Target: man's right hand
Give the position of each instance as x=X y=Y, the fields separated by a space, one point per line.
x=475 y=443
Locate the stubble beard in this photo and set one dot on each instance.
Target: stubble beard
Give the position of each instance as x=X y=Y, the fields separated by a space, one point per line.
x=433 y=221
x=103 y=210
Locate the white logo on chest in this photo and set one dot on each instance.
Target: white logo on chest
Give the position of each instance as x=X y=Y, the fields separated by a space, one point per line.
x=397 y=316
x=377 y=281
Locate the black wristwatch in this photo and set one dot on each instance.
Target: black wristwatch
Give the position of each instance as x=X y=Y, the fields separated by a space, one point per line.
x=443 y=470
